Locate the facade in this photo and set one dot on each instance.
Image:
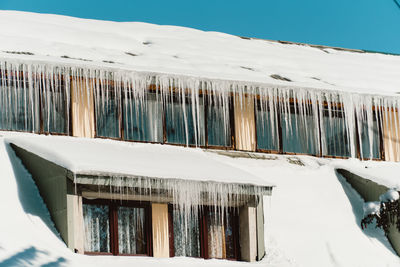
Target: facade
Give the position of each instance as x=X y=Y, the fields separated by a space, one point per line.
x=171 y=213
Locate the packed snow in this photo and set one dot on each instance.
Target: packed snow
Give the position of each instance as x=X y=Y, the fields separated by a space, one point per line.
x=312 y=218
x=171 y=50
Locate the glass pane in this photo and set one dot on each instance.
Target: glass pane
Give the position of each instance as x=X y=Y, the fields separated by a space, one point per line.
x=97 y=228
x=107 y=118
x=143 y=118
x=365 y=141
x=218 y=126
x=54 y=109
x=186 y=235
x=336 y=137
x=19 y=109
x=183 y=124
x=298 y=133
x=267 y=129
x=131 y=230
x=229 y=238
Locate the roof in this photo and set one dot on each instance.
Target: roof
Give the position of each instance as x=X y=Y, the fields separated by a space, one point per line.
x=98 y=157
x=142 y=47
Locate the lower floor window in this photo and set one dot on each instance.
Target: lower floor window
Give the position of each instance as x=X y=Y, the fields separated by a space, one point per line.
x=209 y=233
x=119 y=228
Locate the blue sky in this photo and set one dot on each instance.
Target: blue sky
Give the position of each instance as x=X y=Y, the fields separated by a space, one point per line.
x=363 y=24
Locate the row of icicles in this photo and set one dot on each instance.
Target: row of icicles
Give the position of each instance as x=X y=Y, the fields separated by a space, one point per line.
x=26 y=87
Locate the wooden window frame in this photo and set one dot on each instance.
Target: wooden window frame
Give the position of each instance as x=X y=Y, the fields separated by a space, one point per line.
x=113 y=224
x=203 y=235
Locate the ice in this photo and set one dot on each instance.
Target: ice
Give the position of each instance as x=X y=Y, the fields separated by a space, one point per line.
x=26 y=86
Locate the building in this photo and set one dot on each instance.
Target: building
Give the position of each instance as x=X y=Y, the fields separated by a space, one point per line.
x=157 y=87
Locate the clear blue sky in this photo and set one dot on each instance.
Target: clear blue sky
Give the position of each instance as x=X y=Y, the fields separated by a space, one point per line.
x=363 y=24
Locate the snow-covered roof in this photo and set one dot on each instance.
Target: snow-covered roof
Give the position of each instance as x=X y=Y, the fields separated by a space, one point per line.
x=142 y=47
x=111 y=158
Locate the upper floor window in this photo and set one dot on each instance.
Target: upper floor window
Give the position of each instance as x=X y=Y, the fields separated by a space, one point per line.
x=184 y=120
x=219 y=128
x=336 y=137
x=143 y=117
x=107 y=112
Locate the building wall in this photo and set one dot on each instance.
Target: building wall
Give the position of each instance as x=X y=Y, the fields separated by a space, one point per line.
x=248 y=233
x=245 y=126
x=82 y=105
x=51 y=180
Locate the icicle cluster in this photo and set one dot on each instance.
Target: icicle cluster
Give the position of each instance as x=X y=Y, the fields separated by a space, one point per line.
x=311 y=115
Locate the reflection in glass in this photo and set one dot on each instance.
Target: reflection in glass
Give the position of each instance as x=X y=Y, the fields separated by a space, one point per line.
x=131 y=230
x=97 y=228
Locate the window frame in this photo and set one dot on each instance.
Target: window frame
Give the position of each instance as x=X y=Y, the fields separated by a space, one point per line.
x=113 y=224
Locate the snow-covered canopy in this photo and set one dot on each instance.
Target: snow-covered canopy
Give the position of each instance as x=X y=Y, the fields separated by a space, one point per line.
x=119 y=159
x=171 y=50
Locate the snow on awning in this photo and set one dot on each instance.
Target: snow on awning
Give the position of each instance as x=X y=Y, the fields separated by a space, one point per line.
x=95 y=161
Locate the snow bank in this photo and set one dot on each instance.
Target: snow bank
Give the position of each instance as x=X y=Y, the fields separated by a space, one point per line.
x=135 y=46
x=371 y=208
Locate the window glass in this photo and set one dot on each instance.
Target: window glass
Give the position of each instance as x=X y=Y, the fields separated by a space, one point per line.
x=143 y=118
x=336 y=137
x=185 y=122
x=97 y=228
x=186 y=235
x=299 y=132
x=218 y=125
x=107 y=113
x=131 y=230
x=267 y=128
x=369 y=151
x=220 y=236
x=19 y=109
x=54 y=105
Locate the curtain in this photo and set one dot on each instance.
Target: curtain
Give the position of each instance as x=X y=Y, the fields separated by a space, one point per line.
x=186 y=235
x=131 y=230
x=97 y=228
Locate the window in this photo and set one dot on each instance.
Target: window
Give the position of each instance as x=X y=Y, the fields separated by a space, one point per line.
x=54 y=107
x=107 y=112
x=116 y=227
x=19 y=106
x=370 y=146
x=184 y=121
x=143 y=117
x=209 y=233
x=337 y=141
x=267 y=127
x=299 y=130
x=219 y=131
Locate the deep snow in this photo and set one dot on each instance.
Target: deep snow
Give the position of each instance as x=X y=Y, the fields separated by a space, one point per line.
x=312 y=219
